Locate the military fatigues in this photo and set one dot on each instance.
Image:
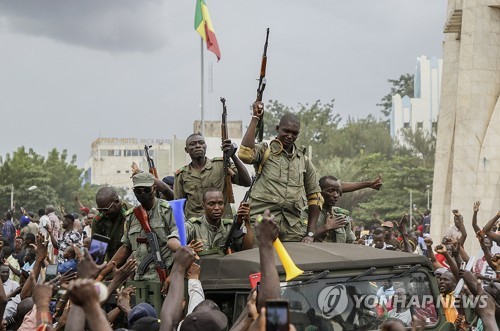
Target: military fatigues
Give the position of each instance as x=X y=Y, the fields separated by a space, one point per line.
x=340 y=235
x=106 y=227
x=212 y=237
x=191 y=184
x=162 y=223
x=285 y=181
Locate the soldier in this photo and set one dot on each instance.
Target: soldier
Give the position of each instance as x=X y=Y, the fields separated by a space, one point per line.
x=110 y=220
x=161 y=221
x=287 y=175
x=334 y=224
x=210 y=231
x=193 y=179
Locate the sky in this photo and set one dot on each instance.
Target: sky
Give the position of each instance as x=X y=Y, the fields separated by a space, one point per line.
x=72 y=71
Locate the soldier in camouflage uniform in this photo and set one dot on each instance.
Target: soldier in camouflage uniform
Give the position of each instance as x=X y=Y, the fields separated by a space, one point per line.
x=209 y=232
x=334 y=223
x=288 y=180
x=110 y=220
x=193 y=179
x=162 y=223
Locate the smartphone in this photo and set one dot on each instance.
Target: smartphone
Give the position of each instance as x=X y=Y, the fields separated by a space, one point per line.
x=277 y=315
x=254 y=279
x=98 y=247
x=50 y=272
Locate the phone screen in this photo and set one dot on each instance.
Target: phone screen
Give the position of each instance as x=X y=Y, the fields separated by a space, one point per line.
x=50 y=272
x=254 y=279
x=98 y=247
x=276 y=315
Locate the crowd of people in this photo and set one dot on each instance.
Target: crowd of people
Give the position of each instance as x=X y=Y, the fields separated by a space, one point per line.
x=51 y=279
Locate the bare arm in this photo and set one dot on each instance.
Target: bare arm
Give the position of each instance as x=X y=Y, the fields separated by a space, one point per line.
x=270 y=284
x=77 y=317
x=171 y=310
x=375 y=184
x=164 y=189
x=491 y=223
x=249 y=137
x=474 y=217
x=243 y=175
x=119 y=258
x=249 y=236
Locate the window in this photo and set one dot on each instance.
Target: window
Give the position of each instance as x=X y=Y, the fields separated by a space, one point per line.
x=118 y=172
x=420 y=125
x=406 y=125
x=111 y=152
x=133 y=152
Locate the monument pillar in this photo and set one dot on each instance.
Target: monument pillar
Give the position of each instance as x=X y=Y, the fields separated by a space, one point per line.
x=467 y=166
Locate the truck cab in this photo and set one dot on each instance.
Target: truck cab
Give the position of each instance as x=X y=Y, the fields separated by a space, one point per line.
x=343 y=286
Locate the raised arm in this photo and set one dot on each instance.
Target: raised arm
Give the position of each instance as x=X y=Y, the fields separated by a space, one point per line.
x=270 y=284
x=459 y=223
x=171 y=310
x=375 y=184
x=249 y=137
x=475 y=210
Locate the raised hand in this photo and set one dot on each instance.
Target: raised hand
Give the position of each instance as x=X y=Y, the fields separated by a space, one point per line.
x=82 y=292
x=377 y=183
x=267 y=231
x=476 y=206
x=87 y=268
x=244 y=212
x=441 y=249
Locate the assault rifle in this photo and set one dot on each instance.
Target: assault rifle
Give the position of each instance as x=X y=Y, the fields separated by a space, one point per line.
x=259 y=133
x=228 y=172
x=236 y=231
x=151 y=163
x=154 y=247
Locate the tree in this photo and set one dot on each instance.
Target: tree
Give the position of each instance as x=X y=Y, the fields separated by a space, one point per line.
x=402 y=86
x=57 y=181
x=357 y=137
x=418 y=143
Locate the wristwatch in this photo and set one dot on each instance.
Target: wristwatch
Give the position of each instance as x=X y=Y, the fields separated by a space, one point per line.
x=310 y=234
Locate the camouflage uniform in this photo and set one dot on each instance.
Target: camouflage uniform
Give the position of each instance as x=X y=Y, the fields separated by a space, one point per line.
x=191 y=184
x=104 y=226
x=285 y=181
x=340 y=235
x=162 y=223
x=212 y=237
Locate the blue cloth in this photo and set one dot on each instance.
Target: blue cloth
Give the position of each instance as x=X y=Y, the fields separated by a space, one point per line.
x=68 y=265
x=9 y=232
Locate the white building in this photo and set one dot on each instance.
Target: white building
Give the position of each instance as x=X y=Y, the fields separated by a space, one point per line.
x=421 y=111
x=111 y=159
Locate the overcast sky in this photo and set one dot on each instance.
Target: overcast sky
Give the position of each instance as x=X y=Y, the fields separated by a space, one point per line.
x=72 y=71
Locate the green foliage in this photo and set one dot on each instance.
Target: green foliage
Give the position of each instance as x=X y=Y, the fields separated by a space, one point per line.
x=401 y=174
x=363 y=136
x=402 y=86
x=420 y=144
x=57 y=181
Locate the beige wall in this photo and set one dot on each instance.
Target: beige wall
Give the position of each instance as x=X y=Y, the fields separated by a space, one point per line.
x=467 y=164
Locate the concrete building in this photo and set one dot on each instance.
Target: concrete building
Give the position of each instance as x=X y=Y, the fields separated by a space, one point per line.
x=421 y=111
x=111 y=159
x=468 y=141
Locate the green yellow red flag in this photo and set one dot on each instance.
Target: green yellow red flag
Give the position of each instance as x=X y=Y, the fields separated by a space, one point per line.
x=203 y=24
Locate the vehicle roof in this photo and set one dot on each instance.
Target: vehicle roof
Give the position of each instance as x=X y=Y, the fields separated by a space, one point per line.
x=232 y=271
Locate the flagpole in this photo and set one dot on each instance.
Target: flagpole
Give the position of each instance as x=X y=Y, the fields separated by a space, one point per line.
x=202 y=90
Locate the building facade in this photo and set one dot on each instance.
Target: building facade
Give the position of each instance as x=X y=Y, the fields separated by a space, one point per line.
x=421 y=111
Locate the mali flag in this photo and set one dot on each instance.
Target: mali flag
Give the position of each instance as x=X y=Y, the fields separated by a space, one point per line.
x=203 y=25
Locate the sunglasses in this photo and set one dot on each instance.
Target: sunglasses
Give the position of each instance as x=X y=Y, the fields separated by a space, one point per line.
x=140 y=190
x=107 y=209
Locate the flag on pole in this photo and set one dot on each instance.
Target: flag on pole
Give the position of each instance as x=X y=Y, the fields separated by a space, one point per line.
x=203 y=24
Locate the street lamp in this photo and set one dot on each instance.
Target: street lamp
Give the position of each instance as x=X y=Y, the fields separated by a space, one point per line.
x=428 y=197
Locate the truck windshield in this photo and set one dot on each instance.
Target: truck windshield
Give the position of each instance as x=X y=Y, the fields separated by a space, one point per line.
x=360 y=304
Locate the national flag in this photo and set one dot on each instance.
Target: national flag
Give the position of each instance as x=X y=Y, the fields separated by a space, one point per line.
x=203 y=25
